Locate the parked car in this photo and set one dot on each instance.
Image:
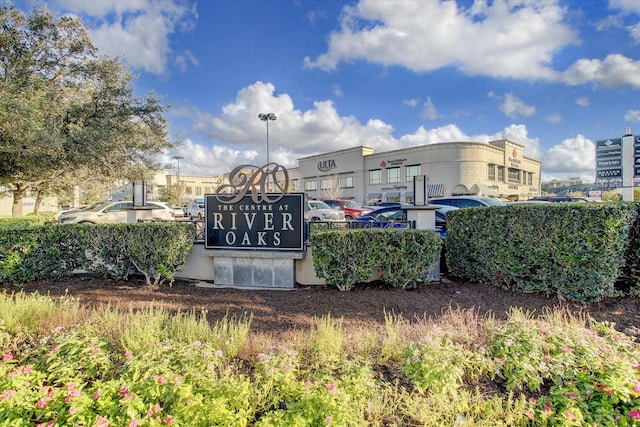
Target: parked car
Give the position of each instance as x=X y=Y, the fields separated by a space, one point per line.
x=113 y=213
x=195 y=210
x=559 y=199
x=396 y=217
x=350 y=208
x=467 y=201
x=320 y=211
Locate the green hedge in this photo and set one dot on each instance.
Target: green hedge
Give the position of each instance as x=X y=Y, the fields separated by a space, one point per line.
x=347 y=257
x=155 y=249
x=575 y=250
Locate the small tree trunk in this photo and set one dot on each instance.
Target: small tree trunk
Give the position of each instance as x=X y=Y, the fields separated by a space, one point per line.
x=39 y=197
x=19 y=191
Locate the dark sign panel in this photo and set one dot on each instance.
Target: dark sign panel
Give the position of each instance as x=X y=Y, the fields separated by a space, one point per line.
x=608 y=144
x=609 y=163
x=247 y=224
x=610 y=173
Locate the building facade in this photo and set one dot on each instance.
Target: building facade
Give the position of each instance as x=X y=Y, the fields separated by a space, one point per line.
x=496 y=169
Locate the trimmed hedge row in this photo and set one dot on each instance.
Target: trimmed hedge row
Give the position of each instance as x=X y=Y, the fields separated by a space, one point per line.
x=574 y=250
x=347 y=257
x=155 y=249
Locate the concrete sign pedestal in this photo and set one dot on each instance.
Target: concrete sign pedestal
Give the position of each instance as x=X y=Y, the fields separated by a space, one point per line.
x=254 y=269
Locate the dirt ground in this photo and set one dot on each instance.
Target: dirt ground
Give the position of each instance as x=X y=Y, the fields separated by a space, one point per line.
x=278 y=311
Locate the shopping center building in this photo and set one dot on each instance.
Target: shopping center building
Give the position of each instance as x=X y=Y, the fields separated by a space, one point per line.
x=496 y=169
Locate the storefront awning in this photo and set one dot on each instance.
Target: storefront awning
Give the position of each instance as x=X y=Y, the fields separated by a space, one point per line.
x=484 y=190
x=436 y=190
x=372 y=196
x=392 y=194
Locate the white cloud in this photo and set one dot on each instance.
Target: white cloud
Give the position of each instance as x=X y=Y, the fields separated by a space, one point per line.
x=573 y=157
x=138 y=30
x=411 y=102
x=554 y=118
x=632 y=116
x=236 y=136
x=429 y=110
x=513 y=107
x=515 y=39
x=583 y=101
x=337 y=91
x=614 y=71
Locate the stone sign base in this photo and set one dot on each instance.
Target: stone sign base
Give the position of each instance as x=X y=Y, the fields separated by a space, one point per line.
x=254 y=269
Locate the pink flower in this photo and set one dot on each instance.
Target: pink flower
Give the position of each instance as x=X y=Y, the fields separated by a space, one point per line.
x=27 y=369
x=96 y=351
x=569 y=415
x=157 y=408
x=7 y=357
x=128 y=397
x=529 y=414
x=287 y=368
x=122 y=391
x=134 y=422
x=73 y=410
x=41 y=404
x=218 y=353
x=634 y=414
x=566 y=349
x=547 y=408
x=128 y=355
x=533 y=400
x=96 y=395
x=327 y=420
x=636 y=388
x=71 y=386
x=74 y=393
x=331 y=388
x=7 y=395
x=169 y=419
x=161 y=379
x=102 y=421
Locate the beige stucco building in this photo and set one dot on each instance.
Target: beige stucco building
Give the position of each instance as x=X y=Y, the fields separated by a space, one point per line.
x=497 y=169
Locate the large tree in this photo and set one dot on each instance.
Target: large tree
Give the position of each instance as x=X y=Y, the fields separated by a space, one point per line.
x=67 y=112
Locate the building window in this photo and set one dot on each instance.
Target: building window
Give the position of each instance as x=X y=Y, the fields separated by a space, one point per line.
x=375 y=176
x=529 y=178
x=514 y=175
x=310 y=185
x=413 y=171
x=491 y=172
x=326 y=184
x=393 y=175
x=198 y=191
x=294 y=184
x=188 y=190
x=345 y=182
x=207 y=190
x=501 y=173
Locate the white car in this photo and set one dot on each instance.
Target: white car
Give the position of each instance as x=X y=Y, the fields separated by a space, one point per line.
x=195 y=210
x=113 y=213
x=320 y=211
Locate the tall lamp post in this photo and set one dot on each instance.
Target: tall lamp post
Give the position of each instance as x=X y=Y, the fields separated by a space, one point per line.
x=178 y=158
x=265 y=118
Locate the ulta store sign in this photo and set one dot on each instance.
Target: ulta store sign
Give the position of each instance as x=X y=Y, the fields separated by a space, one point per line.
x=244 y=215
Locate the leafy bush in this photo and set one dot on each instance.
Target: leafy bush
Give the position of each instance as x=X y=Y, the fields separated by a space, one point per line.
x=157 y=250
x=575 y=250
x=347 y=257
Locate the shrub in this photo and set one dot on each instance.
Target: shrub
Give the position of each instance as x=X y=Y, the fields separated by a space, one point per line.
x=345 y=258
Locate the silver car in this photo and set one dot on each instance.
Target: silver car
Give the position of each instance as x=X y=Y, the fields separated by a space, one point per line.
x=195 y=210
x=320 y=211
x=113 y=213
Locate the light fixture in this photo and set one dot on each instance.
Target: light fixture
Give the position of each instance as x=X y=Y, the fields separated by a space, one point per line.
x=178 y=158
x=265 y=118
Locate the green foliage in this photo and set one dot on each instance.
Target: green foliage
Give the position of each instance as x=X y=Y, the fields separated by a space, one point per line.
x=155 y=249
x=571 y=249
x=347 y=257
x=557 y=369
x=67 y=113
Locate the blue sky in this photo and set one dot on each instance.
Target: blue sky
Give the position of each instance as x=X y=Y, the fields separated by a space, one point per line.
x=555 y=76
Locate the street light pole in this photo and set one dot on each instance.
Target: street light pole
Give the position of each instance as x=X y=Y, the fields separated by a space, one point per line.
x=265 y=118
x=178 y=158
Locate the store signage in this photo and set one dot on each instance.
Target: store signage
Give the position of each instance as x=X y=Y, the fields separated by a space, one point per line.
x=326 y=165
x=244 y=215
x=609 y=159
x=610 y=173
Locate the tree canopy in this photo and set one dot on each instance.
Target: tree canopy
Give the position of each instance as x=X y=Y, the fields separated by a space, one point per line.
x=68 y=114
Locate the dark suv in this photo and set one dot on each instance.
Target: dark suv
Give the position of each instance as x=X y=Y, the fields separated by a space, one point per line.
x=560 y=199
x=351 y=209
